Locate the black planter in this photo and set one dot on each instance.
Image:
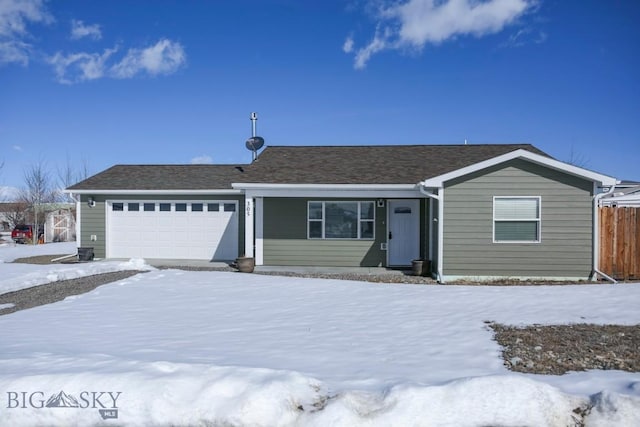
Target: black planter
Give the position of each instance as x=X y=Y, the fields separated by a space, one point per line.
x=85 y=254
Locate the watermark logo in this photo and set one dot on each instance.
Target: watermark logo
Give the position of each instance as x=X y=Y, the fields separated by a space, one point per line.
x=62 y=400
x=106 y=402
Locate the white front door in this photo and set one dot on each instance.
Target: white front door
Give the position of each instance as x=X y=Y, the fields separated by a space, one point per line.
x=404 y=231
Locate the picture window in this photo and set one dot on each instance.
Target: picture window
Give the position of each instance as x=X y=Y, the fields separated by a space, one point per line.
x=340 y=220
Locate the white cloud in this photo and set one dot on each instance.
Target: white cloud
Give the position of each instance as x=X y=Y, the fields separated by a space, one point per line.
x=347 y=47
x=379 y=42
x=202 y=160
x=164 y=57
x=14 y=51
x=77 y=67
x=415 y=23
x=17 y=148
x=525 y=36
x=15 y=15
x=80 y=30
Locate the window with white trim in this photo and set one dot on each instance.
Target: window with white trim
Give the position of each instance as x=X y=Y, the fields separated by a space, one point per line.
x=340 y=220
x=516 y=219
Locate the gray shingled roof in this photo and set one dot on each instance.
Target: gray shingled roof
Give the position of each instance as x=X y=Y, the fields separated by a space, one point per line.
x=163 y=177
x=377 y=164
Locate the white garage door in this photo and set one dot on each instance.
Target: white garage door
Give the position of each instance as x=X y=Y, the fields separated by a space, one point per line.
x=172 y=229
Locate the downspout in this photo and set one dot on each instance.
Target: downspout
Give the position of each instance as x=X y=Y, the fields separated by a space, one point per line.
x=72 y=196
x=596 y=234
x=436 y=197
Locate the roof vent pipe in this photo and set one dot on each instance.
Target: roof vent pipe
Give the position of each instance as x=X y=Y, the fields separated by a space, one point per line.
x=254 y=119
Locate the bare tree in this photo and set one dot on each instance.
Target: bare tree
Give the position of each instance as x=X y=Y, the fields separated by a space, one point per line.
x=38 y=191
x=69 y=175
x=16 y=213
x=577 y=159
x=3 y=196
x=66 y=178
x=84 y=169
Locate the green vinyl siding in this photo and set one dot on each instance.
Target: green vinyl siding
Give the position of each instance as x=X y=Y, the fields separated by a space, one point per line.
x=285 y=239
x=566 y=224
x=93 y=220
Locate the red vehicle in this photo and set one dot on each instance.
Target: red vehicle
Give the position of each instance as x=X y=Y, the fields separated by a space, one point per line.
x=24 y=233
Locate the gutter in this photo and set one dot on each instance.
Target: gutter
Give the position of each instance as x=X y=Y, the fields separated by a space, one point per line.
x=423 y=190
x=72 y=197
x=78 y=227
x=370 y=187
x=156 y=192
x=596 y=234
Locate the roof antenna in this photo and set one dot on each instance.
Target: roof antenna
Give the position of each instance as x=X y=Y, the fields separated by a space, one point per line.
x=255 y=142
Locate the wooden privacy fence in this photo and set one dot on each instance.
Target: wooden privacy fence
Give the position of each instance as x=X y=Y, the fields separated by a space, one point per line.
x=620 y=242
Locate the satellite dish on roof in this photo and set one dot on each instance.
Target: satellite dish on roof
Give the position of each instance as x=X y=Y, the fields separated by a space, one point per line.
x=255 y=142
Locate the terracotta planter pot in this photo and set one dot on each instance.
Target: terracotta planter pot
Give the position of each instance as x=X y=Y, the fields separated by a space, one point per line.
x=245 y=264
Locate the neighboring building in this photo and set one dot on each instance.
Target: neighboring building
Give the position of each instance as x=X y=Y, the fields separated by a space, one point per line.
x=59 y=219
x=626 y=194
x=474 y=211
x=60 y=225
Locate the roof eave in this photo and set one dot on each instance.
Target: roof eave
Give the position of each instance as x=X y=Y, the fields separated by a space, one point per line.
x=153 y=192
x=272 y=186
x=603 y=180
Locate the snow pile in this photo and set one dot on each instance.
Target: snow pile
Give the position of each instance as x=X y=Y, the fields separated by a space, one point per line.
x=496 y=401
x=164 y=393
x=613 y=409
x=136 y=264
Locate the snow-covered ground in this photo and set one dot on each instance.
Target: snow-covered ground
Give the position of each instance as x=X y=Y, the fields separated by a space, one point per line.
x=20 y=276
x=172 y=347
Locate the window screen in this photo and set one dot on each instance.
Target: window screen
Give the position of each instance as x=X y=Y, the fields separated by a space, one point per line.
x=516 y=219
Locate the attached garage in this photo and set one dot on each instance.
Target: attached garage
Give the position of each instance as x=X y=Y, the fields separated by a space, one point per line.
x=176 y=229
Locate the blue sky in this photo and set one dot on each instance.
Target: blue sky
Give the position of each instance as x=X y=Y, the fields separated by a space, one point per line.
x=97 y=83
